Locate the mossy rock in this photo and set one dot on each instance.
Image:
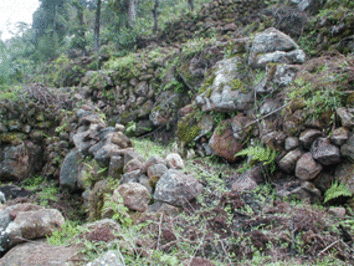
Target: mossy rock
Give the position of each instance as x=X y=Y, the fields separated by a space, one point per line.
x=12 y=138
x=188 y=128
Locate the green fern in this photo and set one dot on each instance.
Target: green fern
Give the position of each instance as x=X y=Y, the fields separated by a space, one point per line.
x=265 y=155
x=337 y=190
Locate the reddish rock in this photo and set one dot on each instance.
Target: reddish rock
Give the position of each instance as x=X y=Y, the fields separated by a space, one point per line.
x=224 y=144
x=338 y=211
x=38 y=253
x=136 y=196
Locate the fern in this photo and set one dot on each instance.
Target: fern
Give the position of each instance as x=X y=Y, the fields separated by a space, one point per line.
x=337 y=190
x=258 y=153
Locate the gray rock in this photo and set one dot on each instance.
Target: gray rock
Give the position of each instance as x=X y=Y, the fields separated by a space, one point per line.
x=103 y=155
x=310 y=6
x=69 y=170
x=277 y=76
x=131 y=177
x=110 y=258
x=288 y=162
x=291 y=143
x=269 y=41
x=223 y=96
x=293 y=57
x=176 y=188
x=96 y=80
x=130 y=154
x=156 y=170
x=82 y=142
x=143 y=127
x=151 y=161
x=326 y=153
x=307 y=168
x=116 y=164
x=133 y=165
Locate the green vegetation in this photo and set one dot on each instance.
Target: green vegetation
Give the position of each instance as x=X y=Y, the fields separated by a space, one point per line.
x=337 y=190
x=266 y=156
x=120 y=212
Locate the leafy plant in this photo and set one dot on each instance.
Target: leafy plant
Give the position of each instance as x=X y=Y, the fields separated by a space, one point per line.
x=337 y=190
x=63 y=235
x=120 y=212
x=265 y=155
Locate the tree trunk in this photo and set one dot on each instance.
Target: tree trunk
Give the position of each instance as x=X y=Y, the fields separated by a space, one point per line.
x=191 y=4
x=97 y=25
x=155 y=13
x=81 y=33
x=131 y=13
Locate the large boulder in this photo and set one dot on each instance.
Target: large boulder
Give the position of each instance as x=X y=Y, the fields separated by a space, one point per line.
x=228 y=91
x=23 y=222
x=39 y=253
x=176 y=188
x=19 y=162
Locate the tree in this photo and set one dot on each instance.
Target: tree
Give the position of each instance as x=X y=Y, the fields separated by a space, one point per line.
x=126 y=6
x=191 y=4
x=97 y=25
x=155 y=13
x=79 y=40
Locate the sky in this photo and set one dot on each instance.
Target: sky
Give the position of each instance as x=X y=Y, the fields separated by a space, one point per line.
x=12 y=11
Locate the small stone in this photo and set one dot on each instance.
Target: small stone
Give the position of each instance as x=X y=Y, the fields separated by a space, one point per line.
x=340 y=136
x=291 y=143
x=337 y=211
x=174 y=161
x=308 y=136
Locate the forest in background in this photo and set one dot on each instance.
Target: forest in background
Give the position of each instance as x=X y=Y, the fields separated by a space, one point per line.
x=63 y=27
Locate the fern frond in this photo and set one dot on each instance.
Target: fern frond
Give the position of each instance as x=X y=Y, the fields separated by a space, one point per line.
x=258 y=153
x=337 y=190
